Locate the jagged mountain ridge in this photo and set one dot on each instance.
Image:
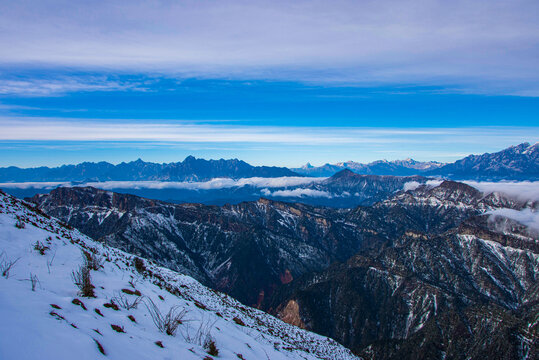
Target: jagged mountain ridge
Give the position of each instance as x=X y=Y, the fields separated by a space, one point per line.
x=44 y=315
x=346 y=189
x=434 y=291
x=405 y=167
x=191 y=169
x=520 y=162
x=251 y=248
x=246 y=250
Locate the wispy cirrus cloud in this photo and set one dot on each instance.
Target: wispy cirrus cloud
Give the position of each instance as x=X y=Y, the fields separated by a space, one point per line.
x=482 y=46
x=83 y=130
x=61 y=85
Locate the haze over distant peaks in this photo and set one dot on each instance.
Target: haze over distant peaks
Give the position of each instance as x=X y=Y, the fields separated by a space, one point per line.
x=379 y=167
x=519 y=162
x=191 y=169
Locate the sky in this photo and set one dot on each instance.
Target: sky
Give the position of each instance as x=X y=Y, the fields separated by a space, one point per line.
x=270 y=82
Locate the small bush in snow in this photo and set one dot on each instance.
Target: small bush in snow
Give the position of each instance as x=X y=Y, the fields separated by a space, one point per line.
x=202 y=336
x=6 y=265
x=40 y=247
x=139 y=265
x=210 y=347
x=166 y=323
x=93 y=261
x=127 y=302
x=82 y=279
x=20 y=224
x=33 y=281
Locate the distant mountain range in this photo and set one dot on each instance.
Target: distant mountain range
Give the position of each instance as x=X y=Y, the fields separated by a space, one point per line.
x=191 y=169
x=520 y=162
x=342 y=190
x=380 y=167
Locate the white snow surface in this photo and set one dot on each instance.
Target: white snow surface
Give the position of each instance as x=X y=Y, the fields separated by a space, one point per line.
x=33 y=329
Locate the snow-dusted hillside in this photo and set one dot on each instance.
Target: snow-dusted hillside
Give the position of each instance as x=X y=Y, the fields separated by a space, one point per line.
x=44 y=315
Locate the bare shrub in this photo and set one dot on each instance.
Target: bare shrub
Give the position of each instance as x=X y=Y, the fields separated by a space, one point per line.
x=133 y=282
x=127 y=302
x=139 y=265
x=34 y=281
x=81 y=278
x=6 y=265
x=210 y=346
x=93 y=261
x=20 y=224
x=40 y=247
x=202 y=335
x=49 y=262
x=166 y=323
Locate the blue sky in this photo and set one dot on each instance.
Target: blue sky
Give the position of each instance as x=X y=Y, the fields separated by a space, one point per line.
x=276 y=83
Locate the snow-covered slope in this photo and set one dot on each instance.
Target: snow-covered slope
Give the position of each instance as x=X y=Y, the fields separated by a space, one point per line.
x=44 y=315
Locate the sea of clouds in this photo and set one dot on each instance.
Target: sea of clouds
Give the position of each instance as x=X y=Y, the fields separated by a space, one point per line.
x=299 y=192
x=412 y=185
x=528 y=217
x=214 y=184
x=522 y=190
x=525 y=190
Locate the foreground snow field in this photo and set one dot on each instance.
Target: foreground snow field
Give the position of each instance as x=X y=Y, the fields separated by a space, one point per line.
x=44 y=316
